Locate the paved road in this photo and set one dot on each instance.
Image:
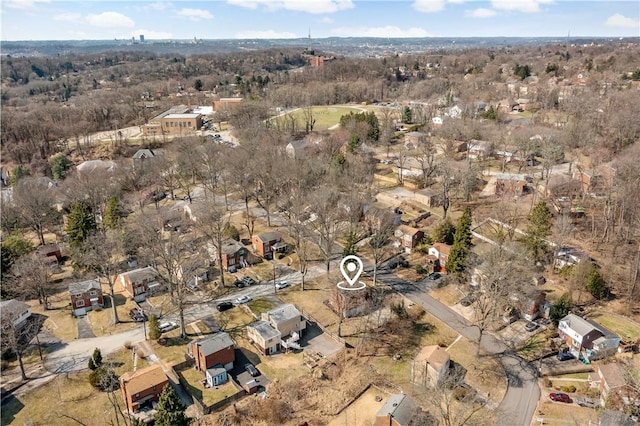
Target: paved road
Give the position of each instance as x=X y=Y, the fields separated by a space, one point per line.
x=523 y=393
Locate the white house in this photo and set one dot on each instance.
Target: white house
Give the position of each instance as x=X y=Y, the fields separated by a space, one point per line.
x=586 y=338
x=14 y=313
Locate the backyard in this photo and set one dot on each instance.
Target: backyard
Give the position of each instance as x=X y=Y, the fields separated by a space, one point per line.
x=325 y=116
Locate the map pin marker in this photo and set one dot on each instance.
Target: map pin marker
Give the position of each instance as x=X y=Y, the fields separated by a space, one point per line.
x=353 y=267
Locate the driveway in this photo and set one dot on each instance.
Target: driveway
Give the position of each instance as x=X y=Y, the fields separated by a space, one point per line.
x=84 y=328
x=314 y=340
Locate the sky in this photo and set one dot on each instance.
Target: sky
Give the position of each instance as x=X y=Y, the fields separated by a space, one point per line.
x=241 y=19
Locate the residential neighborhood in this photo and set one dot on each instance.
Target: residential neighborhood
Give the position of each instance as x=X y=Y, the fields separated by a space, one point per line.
x=186 y=259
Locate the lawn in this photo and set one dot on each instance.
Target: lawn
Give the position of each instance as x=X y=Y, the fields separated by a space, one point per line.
x=59 y=321
x=312 y=299
x=208 y=396
x=102 y=320
x=624 y=328
x=259 y=306
x=325 y=116
x=67 y=397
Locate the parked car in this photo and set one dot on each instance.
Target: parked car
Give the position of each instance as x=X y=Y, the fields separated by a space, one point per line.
x=224 y=306
x=248 y=281
x=282 y=284
x=243 y=299
x=168 y=326
x=238 y=283
x=564 y=356
x=434 y=276
x=560 y=397
x=531 y=326
x=137 y=315
x=585 y=402
x=468 y=300
x=251 y=370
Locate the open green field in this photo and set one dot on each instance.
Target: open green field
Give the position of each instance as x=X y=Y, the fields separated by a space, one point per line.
x=619 y=325
x=325 y=116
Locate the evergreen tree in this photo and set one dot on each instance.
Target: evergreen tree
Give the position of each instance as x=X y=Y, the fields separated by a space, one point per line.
x=538 y=228
x=350 y=245
x=456 y=263
x=13 y=246
x=96 y=359
x=560 y=309
x=19 y=172
x=596 y=284
x=170 y=411
x=80 y=223
x=60 y=164
x=113 y=214
x=444 y=232
x=406 y=114
x=154 y=327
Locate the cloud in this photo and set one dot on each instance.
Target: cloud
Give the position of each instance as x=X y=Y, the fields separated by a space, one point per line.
x=480 y=12
x=110 y=20
x=23 y=4
x=160 y=5
x=386 y=31
x=307 y=6
x=526 y=6
x=265 y=34
x=326 y=20
x=151 y=34
x=620 y=21
x=195 y=14
x=68 y=16
x=428 y=6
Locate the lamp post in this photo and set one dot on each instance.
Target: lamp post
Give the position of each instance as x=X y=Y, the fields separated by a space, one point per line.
x=273 y=259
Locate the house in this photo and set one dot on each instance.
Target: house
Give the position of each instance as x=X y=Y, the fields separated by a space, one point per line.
x=143 y=155
x=96 y=166
x=234 y=255
x=266 y=243
x=349 y=303
x=14 y=314
x=477 y=149
x=216 y=376
x=264 y=337
x=560 y=186
x=586 y=338
x=596 y=181
x=615 y=391
x=286 y=319
x=568 y=256
x=302 y=148
x=226 y=104
x=510 y=185
x=409 y=237
x=85 y=296
x=50 y=253
x=217 y=350
x=143 y=387
x=398 y=410
x=441 y=252
x=140 y=283
x=430 y=366
x=430 y=197
x=529 y=303
x=412 y=140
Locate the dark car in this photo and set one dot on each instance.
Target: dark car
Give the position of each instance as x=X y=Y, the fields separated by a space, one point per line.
x=434 y=276
x=560 y=397
x=564 y=356
x=224 y=306
x=248 y=281
x=238 y=283
x=468 y=300
x=137 y=315
x=251 y=370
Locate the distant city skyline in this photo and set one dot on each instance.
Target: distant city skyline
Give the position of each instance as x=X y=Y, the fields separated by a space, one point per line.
x=284 y=19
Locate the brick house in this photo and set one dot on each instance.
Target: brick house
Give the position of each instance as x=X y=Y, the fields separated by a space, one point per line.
x=586 y=338
x=51 y=253
x=510 y=185
x=615 y=391
x=430 y=366
x=440 y=251
x=264 y=337
x=85 y=296
x=142 y=387
x=217 y=350
x=408 y=237
x=140 y=283
x=529 y=303
x=234 y=255
x=266 y=243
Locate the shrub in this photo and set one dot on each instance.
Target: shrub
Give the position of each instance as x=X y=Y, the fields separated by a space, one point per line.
x=232 y=232
x=281 y=256
x=569 y=389
x=96 y=360
x=421 y=270
x=154 y=327
x=546 y=382
x=104 y=379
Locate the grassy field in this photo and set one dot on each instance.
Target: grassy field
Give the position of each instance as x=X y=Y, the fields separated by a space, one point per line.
x=208 y=396
x=68 y=397
x=619 y=325
x=325 y=116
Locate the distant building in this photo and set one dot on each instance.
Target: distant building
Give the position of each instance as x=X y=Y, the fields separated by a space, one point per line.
x=141 y=38
x=226 y=104
x=175 y=121
x=510 y=185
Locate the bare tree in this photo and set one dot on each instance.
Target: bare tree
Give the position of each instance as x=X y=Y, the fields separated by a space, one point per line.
x=380 y=227
x=33 y=278
x=16 y=336
x=212 y=223
x=327 y=221
x=34 y=199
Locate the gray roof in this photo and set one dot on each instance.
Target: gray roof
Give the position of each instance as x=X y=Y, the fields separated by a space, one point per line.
x=141 y=274
x=12 y=307
x=510 y=176
x=615 y=418
x=231 y=247
x=270 y=236
x=584 y=326
x=264 y=329
x=215 y=371
x=400 y=407
x=283 y=313
x=215 y=343
x=84 y=286
x=146 y=153
x=415 y=134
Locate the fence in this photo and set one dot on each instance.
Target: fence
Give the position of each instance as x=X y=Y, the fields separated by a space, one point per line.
x=310 y=318
x=202 y=408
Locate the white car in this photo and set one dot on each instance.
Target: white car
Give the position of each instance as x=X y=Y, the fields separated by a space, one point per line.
x=168 y=326
x=242 y=299
x=281 y=284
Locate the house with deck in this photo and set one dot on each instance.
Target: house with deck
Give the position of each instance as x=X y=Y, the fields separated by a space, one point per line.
x=586 y=338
